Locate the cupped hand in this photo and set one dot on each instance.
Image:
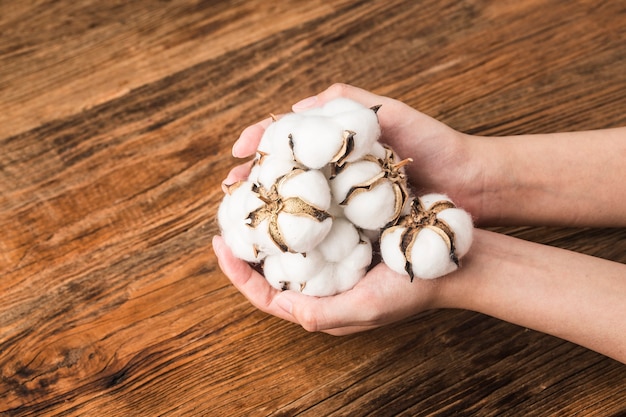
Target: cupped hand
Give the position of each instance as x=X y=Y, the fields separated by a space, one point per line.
x=442 y=160
x=379 y=298
x=382 y=296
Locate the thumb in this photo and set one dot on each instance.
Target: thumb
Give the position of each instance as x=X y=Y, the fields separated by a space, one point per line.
x=339 y=90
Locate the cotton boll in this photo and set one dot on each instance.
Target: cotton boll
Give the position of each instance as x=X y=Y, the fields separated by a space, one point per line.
x=428 y=200
x=317 y=141
x=353 y=174
x=236 y=206
x=311 y=186
x=460 y=222
x=430 y=256
x=372 y=209
x=290 y=271
x=391 y=250
x=274 y=274
x=300 y=267
x=457 y=219
x=322 y=284
x=373 y=192
x=351 y=269
x=338 y=244
x=430 y=240
x=267 y=170
x=301 y=233
x=242 y=242
x=232 y=219
x=275 y=141
x=364 y=124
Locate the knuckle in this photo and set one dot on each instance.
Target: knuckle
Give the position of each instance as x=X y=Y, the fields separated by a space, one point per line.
x=309 y=322
x=339 y=89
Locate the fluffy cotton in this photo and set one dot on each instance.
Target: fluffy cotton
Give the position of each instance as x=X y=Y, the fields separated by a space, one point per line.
x=317 y=141
x=334 y=266
x=233 y=213
x=347 y=254
x=365 y=128
x=391 y=251
x=338 y=244
x=311 y=186
x=267 y=170
x=322 y=188
x=301 y=234
x=430 y=257
x=276 y=139
x=371 y=206
x=430 y=252
x=290 y=271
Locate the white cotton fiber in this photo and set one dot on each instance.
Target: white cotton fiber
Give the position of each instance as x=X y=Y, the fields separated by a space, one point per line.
x=275 y=141
x=317 y=141
x=364 y=124
x=323 y=283
x=300 y=233
x=353 y=174
x=311 y=186
x=391 y=251
x=340 y=241
x=266 y=173
x=430 y=256
x=460 y=222
x=341 y=105
x=372 y=209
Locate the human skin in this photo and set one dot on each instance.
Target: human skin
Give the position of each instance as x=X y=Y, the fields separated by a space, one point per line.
x=567 y=179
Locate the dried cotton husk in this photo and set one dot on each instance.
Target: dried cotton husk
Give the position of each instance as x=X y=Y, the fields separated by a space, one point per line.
x=428 y=242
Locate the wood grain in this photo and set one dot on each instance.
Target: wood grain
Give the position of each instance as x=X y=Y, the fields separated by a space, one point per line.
x=116 y=122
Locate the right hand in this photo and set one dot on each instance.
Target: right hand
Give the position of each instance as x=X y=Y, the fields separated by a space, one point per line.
x=441 y=156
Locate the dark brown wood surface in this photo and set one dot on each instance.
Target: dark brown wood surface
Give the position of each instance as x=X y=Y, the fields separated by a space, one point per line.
x=116 y=122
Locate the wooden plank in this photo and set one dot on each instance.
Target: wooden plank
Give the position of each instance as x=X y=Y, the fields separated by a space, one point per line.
x=116 y=121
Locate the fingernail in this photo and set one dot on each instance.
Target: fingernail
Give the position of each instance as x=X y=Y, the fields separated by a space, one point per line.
x=235 y=149
x=284 y=303
x=217 y=243
x=305 y=103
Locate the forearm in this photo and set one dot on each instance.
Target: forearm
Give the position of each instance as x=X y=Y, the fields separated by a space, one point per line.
x=569 y=295
x=569 y=179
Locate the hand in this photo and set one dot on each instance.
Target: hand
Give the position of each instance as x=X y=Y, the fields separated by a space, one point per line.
x=379 y=298
x=441 y=155
x=382 y=296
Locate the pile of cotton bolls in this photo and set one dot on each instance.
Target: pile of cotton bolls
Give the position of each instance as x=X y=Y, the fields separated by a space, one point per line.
x=322 y=189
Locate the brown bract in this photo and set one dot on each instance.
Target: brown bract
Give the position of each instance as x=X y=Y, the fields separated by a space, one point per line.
x=347 y=146
x=275 y=204
x=390 y=171
x=418 y=219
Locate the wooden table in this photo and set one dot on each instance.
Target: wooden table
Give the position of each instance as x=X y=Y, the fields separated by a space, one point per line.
x=116 y=122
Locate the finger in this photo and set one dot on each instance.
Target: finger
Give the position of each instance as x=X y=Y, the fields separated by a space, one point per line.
x=248 y=141
x=334 y=314
x=248 y=281
x=238 y=173
x=339 y=90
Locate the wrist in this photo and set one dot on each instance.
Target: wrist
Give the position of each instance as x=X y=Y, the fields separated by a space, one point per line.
x=462 y=288
x=486 y=178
